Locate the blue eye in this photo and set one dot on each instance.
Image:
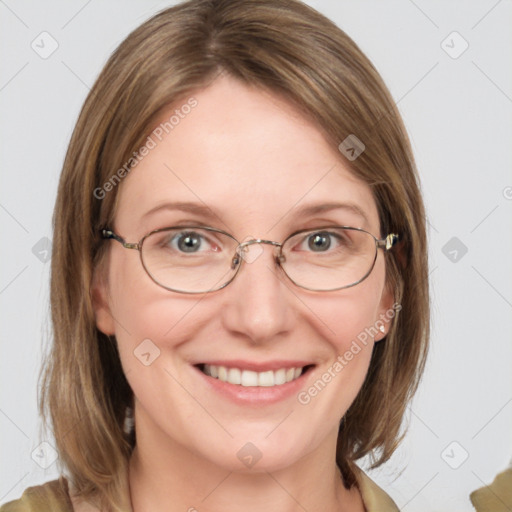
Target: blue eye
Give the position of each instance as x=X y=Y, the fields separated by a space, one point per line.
x=322 y=241
x=188 y=241
x=319 y=241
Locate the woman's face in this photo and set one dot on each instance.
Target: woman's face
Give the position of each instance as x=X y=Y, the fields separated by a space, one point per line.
x=253 y=164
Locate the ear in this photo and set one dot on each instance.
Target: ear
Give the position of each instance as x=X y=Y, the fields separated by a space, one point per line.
x=99 y=294
x=387 y=311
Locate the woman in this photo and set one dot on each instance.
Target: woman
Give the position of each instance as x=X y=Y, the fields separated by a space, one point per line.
x=239 y=276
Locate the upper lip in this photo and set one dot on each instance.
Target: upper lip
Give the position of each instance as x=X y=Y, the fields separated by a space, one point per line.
x=257 y=366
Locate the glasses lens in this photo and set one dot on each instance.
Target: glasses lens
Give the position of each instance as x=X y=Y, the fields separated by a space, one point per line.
x=329 y=259
x=191 y=259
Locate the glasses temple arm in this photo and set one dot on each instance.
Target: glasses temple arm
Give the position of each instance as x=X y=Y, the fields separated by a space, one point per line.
x=388 y=242
x=110 y=235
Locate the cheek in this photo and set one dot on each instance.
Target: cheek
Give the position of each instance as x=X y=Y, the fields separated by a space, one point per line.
x=148 y=317
x=151 y=325
x=353 y=315
x=348 y=326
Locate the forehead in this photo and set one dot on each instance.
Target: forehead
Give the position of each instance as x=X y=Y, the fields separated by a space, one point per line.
x=246 y=155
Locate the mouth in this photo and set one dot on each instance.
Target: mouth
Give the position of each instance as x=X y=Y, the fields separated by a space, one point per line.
x=251 y=378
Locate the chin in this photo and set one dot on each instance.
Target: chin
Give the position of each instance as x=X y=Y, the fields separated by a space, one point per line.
x=254 y=456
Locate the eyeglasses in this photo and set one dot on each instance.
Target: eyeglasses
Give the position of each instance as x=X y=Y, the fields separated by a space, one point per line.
x=200 y=259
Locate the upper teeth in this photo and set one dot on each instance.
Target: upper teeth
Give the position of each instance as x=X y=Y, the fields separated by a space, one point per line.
x=250 y=378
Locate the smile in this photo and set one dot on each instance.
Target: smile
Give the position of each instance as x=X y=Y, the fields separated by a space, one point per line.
x=249 y=378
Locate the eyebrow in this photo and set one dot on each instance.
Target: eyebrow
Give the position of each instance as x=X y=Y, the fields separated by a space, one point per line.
x=305 y=211
x=315 y=209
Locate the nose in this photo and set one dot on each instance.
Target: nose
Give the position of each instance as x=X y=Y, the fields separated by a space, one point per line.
x=259 y=304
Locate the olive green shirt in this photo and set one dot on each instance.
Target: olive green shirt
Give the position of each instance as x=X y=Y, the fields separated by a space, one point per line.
x=496 y=497
x=54 y=497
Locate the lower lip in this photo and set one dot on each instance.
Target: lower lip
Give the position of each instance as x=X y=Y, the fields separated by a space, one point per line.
x=255 y=395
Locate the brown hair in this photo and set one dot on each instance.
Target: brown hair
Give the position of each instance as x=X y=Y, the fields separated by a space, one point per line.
x=287 y=48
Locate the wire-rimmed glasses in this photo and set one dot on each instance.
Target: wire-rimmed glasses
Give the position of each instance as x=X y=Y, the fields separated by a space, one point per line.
x=201 y=259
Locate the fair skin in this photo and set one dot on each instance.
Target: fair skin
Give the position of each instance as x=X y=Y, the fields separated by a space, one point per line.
x=255 y=162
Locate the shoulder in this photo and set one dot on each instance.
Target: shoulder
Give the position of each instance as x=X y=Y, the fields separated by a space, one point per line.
x=496 y=496
x=51 y=496
x=375 y=499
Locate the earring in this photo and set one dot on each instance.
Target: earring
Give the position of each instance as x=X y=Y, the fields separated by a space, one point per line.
x=381 y=328
x=129 y=421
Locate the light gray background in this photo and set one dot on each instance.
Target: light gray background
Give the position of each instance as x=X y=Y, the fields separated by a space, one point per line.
x=458 y=112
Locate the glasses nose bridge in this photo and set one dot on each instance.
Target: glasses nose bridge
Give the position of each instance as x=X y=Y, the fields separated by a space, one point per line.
x=258 y=241
x=243 y=245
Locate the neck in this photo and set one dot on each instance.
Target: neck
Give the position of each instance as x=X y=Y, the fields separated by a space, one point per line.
x=165 y=475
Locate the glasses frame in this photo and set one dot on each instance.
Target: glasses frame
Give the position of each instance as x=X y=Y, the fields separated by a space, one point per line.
x=385 y=243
